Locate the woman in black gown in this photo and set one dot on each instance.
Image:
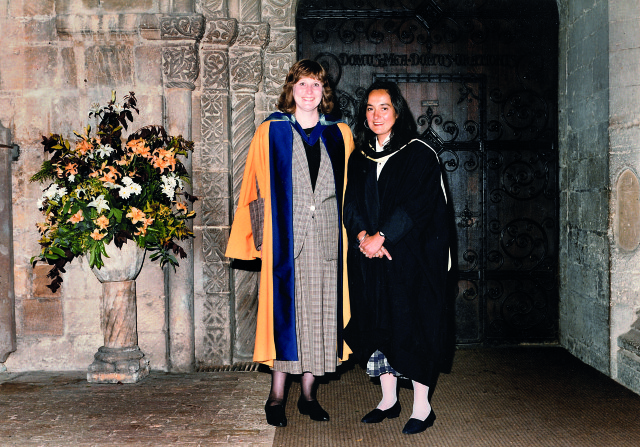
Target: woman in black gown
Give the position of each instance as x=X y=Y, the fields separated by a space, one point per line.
x=398 y=255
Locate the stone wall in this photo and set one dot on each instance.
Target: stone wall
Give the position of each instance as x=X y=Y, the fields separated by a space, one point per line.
x=584 y=180
x=57 y=58
x=624 y=168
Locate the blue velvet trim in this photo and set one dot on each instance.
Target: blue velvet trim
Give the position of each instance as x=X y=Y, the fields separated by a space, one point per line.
x=284 y=313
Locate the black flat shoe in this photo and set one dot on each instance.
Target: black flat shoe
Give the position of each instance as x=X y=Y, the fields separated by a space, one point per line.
x=377 y=415
x=416 y=425
x=312 y=409
x=275 y=414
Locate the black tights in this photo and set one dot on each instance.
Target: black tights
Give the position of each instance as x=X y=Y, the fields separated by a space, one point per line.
x=279 y=380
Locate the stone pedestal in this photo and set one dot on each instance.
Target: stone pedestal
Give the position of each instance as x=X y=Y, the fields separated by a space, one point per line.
x=120 y=359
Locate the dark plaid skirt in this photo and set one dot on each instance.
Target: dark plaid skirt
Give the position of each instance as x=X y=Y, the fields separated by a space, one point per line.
x=378 y=365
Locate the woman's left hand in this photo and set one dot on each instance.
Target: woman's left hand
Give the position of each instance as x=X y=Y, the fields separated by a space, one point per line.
x=371 y=247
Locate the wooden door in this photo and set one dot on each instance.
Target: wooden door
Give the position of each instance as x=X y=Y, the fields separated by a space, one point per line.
x=479 y=77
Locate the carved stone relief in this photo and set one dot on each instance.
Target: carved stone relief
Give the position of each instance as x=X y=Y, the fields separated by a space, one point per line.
x=180 y=66
x=246 y=70
x=278 y=12
x=221 y=32
x=276 y=69
x=253 y=34
x=215 y=68
x=181 y=27
x=212 y=8
x=213 y=113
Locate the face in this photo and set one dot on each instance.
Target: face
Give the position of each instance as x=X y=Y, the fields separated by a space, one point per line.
x=381 y=116
x=307 y=94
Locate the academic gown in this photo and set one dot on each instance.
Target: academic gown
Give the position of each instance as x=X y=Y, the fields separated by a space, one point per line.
x=398 y=305
x=269 y=161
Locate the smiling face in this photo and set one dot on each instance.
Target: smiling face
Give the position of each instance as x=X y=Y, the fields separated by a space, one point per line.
x=307 y=94
x=381 y=116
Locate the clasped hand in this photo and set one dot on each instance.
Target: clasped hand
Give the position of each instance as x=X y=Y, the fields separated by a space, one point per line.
x=372 y=246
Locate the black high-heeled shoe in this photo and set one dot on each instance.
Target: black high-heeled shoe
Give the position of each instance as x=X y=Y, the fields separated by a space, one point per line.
x=312 y=409
x=378 y=415
x=414 y=425
x=275 y=414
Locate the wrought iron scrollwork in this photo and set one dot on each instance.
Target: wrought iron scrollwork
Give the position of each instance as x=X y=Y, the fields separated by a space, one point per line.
x=525 y=243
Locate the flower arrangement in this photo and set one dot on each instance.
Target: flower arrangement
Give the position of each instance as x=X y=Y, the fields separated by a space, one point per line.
x=103 y=189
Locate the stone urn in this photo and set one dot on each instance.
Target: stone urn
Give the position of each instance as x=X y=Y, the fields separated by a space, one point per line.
x=120 y=359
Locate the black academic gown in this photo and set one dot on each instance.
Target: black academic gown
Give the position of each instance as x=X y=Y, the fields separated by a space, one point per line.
x=398 y=305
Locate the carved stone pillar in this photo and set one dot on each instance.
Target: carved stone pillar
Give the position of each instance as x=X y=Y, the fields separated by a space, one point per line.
x=180 y=34
x=214 y=334
x=7 y=298
x=246 y=75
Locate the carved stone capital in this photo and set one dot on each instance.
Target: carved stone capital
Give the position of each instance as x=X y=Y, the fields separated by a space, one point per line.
x=182 y=26
x=282 y=41
x=215 y=69
x=180 y=66
x=253 y=34
x=172 y=26
x=245 y=69
x=221 y=32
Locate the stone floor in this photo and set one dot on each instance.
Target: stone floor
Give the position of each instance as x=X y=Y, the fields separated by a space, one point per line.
x=528 y=396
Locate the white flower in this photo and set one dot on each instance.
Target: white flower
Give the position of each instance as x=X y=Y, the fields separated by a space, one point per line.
x=104 y=150
x=52 y=191
x=62 y=191
x=40 y=203
x=111 y=185
x=169 y=186
x=130 y=188
x=125 y=192
x=80 y=191
x=170 y=192
x=135 y=188
x=99 y=203
x=72 y=178
x=95 y=109
x=169 y=181
x=117 y=108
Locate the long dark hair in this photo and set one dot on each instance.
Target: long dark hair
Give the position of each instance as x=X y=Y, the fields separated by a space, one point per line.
x=302 y=69
x=403 y=130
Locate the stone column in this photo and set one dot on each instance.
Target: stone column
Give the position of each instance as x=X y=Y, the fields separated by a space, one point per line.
x=7 y=298
x=180 y=64
x=214 y=333
x=180 y=34
x=246 y=70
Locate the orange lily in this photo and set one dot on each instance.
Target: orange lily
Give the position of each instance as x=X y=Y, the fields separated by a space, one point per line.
x=136 y=215
x=77 y=217
x=102 y=222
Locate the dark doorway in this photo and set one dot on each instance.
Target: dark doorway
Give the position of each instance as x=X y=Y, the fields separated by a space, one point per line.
x=480 y=77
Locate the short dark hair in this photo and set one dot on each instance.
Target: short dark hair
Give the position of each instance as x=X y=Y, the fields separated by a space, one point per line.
x=305 y=68
x=403 y=130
